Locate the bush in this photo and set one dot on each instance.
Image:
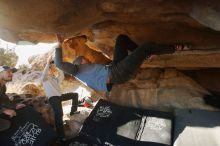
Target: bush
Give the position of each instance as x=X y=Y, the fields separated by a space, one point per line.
x=8 y=57
x=23 y=67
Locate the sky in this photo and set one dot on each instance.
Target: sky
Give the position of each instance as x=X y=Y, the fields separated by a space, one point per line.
x=25 y=51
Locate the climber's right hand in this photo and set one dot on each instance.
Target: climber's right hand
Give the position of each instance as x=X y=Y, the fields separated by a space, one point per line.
x=60 y=39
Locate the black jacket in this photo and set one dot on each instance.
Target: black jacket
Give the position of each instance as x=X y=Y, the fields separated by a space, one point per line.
x=4 y=100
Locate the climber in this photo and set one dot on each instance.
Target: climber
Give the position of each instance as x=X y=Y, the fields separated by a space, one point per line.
x=128 y=57
x=51 y=79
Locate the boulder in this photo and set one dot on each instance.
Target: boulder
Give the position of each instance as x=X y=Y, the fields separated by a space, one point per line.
x=169 y=90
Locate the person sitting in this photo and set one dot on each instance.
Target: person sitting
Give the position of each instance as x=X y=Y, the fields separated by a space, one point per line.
x=101 y=77
x=51 y=79
x=7 y=107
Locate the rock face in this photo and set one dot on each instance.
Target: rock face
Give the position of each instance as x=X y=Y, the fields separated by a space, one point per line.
x=163 y=89
x=102 y=20
x=207 y=14
x=208 y=78
x=27 y=82
x=38 y=62
x=76 y=46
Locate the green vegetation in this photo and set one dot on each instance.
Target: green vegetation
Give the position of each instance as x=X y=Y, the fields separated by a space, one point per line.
x=23 y=67
x=8 y=57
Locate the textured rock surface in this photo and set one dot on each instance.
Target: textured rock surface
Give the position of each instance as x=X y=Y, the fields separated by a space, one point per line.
x=163 y=89
x=208 y=78
x=102 y=20
x=207 y=13
x=186 y=59
x=157 y=20
x=38 y=62
x=76 y=46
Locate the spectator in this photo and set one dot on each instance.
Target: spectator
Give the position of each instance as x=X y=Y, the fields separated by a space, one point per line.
x=51 y=79
x=7 y=107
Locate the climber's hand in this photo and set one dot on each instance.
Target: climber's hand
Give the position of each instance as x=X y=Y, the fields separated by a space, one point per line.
x=60 y=39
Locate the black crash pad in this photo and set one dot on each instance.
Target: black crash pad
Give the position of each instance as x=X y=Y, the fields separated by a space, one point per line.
x=27 y=128
x=111 y=124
